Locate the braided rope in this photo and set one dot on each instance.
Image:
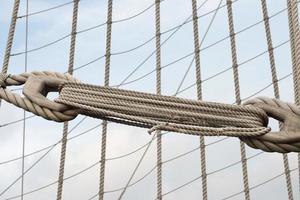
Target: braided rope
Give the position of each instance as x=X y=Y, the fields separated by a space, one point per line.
x=158 y=91
x=106 y=83
x=28 y=105
x=275 y=87
x=66 y=125
x=237 y=94
x=199 y=95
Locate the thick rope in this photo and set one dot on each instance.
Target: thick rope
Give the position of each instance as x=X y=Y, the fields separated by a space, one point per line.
x=66 y=125
x=275 y=87
x=237 y=93
x=289 y=144
x=295 y=42
x=158 y=91
x=169 y=113
x=30 y=106
x=106 y=83
x=199 y=96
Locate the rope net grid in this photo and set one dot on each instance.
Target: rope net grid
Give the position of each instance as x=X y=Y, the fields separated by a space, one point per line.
x=159 y=125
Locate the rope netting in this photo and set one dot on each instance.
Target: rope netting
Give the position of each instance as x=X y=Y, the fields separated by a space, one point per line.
x=160 y=39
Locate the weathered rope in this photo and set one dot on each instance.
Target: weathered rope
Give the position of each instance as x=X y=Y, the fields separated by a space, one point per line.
x=158 y=91
x=66 y=125
x=106 y=83
x=237 y=94
x=289 y=142
x=295 y=42
x=169 y=113
x=26 y=104
x=199 y=95
x=275 y=87
x=11 y=34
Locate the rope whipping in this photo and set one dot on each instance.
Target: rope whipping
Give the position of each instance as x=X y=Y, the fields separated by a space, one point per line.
x=237 y=93
x=158 y=91
x=66 y=125
x=106 y=83
x=275 y=88
x=295 y=42
x=199 y=95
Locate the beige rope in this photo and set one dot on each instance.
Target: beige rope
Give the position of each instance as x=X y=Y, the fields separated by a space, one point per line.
x=168 y=113
x=237 y=94
x=11 y=34
x=294 y=38
x=30 y=106
x=158 y=91
x=66 y=125
x=106 y=83
x=276 y=88
x=171 y=113
x=199 y=95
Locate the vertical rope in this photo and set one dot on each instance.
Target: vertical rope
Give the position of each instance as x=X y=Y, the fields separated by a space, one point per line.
x=237 y=94
x=276 y=88
x=295 y=42
x=158 y=91
x=11 y=34
x=66 y=125
x=24 y=112
x=106 y=83
x=199 y=95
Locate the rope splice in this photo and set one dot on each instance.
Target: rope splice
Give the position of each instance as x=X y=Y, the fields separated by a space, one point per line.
x=248 y=122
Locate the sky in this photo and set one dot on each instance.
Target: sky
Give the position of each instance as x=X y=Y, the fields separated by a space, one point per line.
x=83 y=150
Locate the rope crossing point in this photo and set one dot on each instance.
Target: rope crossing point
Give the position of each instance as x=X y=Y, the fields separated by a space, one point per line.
x=155 y=112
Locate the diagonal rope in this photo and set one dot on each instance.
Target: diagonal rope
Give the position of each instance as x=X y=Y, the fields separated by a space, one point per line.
x=106 y=83
x=159 y=163
x=11 y=34
x=237 y=93
x=166 y=161
x=275 y=88
x=258 y=185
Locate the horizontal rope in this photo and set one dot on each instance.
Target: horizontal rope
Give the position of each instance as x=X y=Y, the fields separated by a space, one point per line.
x=169 y=113
x=157 y=112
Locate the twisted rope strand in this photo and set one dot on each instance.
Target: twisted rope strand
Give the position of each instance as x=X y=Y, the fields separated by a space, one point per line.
x=275 y=87
x=106 y=83
x=66 y=125
x=158 y=91
x=237 y=93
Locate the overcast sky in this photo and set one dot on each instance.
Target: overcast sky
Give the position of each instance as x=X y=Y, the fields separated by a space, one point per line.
x=84 y=151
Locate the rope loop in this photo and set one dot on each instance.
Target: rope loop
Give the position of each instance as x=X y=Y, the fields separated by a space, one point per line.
x=3 y=78
x=287 y=139
x=37 y=86
x=166 y=113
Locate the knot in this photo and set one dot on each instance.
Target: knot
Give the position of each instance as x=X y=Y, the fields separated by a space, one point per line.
x=287 y=139
x=3 y=78
x=158 y=127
